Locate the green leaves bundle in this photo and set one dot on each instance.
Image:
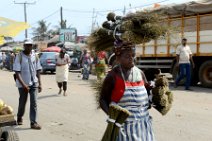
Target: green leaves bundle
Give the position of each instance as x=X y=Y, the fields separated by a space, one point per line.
x=117 y=116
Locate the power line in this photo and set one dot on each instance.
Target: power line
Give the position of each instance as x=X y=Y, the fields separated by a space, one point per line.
x=47 y=16
x=119 y=9
x=25 y=12
x=78 y=11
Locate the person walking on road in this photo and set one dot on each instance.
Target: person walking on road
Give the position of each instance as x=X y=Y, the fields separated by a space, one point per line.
x=27 y=69
x=86 y=62
x=184 y=60
x=101 y=65
x=62 y=70
x=126 y=86
x=4 y=56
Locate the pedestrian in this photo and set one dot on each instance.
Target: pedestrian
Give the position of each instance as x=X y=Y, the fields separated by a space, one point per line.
x=125 y=85
x=11 y=61
x=4 y=56
x=62 y=70
x=86 y=62
x=101 y=65
x=27 y=69
x=184 y=60
x=1 y=63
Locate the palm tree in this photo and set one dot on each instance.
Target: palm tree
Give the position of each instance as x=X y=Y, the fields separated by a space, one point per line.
x=42 y=30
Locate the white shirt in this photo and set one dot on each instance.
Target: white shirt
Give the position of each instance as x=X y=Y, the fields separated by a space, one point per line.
x=28 y=67
x=184 y=53
x=62 y=61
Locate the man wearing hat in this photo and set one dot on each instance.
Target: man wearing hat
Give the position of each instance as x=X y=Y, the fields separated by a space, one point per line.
x=27 y=69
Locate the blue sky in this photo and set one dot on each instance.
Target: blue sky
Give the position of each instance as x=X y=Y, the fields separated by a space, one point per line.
x=77 y=13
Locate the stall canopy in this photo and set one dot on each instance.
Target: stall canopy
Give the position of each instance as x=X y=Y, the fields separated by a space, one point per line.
x=6 y=49
x=52 y=49
x=17 y=49
x=11 y=28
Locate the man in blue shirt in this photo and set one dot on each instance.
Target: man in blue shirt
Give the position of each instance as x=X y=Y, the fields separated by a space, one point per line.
x=27 y=68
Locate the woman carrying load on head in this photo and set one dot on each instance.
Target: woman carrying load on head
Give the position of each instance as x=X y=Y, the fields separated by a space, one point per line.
x=101 y=65
x=126 y=85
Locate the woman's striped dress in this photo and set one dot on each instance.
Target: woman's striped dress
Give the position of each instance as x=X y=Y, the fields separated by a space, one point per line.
x=138 y=126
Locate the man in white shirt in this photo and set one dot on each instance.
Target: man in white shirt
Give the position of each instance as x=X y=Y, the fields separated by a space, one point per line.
x=184 y=60
x=27 y=68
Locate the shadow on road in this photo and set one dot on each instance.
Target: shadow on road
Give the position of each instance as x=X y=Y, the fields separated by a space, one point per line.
x=47 y=96
x=21 y=129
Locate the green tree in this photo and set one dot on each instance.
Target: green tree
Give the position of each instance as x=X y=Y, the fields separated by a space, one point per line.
x=42 y=31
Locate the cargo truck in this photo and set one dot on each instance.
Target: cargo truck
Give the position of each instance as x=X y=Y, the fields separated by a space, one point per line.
x=191 y=20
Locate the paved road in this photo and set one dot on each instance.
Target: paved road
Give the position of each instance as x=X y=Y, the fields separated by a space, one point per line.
x=75 y=117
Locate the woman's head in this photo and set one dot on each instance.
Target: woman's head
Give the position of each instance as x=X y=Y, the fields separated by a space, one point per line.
x=125 y=53
x=62 y=52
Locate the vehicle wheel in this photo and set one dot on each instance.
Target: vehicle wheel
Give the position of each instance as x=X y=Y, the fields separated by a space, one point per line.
x=52 y=72
x=8 y=134
x=205 y=74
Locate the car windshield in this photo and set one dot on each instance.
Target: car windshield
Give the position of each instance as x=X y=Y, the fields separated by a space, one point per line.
x=49 y=55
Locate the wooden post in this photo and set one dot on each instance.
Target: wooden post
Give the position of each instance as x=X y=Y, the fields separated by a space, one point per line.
x=198 y=34
x=168 y=38
x=182 y=26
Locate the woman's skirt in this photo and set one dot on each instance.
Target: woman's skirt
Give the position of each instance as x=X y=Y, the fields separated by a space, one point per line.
x=140 y=130
x=62 y=73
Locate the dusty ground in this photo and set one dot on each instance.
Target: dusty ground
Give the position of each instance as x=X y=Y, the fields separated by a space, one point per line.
x=75 y=117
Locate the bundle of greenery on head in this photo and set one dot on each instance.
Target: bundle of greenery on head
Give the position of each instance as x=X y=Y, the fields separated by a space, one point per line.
x=139 y=27
x=162 y=97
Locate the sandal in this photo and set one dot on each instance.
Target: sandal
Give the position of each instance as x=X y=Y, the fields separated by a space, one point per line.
x=65 y=94
x=60 y=91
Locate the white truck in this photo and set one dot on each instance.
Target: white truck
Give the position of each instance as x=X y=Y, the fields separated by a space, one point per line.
x=194 y=22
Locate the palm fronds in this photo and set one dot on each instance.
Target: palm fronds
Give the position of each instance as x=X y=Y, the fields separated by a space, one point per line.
x=117 y=116
x=139 y=27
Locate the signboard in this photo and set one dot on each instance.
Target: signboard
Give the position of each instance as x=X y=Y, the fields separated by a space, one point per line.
x=68 y=35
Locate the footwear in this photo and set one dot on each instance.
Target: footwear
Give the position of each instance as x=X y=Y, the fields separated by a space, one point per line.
x=19 y=121
x=188 y=89
x=60 y=91
x=35 y=126
x=175 y=85
x=64 y=93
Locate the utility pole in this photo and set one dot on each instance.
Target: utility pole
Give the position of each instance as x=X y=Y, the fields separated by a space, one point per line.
x=61 y=17
x=25 y=13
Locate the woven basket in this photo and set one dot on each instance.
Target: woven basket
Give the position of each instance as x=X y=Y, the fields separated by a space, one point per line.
x=7 y=120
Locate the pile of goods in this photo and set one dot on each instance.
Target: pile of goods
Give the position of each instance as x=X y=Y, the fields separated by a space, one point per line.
x=139 y=27
x=162 y=97
x=5 y=109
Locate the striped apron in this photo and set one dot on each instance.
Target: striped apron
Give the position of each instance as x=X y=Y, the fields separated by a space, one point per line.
x=138 y=126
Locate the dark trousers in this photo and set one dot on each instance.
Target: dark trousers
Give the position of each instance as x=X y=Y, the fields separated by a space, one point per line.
x=62 y=84
x=33 y=103
x=185 y=71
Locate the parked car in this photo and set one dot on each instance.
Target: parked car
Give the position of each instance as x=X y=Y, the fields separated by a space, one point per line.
x=48 y=61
